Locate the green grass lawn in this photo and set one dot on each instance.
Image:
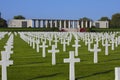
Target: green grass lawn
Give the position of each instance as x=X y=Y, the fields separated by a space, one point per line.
x=29 y=65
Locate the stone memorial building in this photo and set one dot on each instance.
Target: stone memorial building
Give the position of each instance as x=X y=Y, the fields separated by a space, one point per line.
x=60 y=23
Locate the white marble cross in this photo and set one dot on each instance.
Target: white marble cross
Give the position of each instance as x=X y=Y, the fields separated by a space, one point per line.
x=50 y=40
x=37 y=45
x=72 y=61
x=117 y=73
x=4 y=63
x=76 y=45
x=97 y=41
x=116 y=42
x=33 y=41
x=95 y=50
x=43 y=46
x=89 y=44
x=53 y=51
x=106 y=47
x=56 y=41
x=64 y=44
x=113 y=43
x=68 y=41
x=30 y=41
x=8 y=49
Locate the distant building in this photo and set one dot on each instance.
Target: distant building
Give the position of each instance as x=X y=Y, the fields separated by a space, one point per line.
x=20 y=23
x=101 y=24
x=60 y=23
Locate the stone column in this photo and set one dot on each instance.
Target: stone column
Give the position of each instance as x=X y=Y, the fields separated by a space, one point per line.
x=69 y=24
x=36 y=23
x=55 y=23
x=51 y=24
x=90 y=24
x=73 y=24
x=86 y=24
x=82 y=24
x=64 y=23
x=42 y=23
x=46 y=23
x=60 y=24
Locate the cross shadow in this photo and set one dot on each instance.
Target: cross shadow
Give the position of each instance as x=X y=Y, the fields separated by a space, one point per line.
x=46 y=76
x=112 y=60
x=93 y=74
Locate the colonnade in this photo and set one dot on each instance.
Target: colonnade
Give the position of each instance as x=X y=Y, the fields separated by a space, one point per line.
x=38 y=23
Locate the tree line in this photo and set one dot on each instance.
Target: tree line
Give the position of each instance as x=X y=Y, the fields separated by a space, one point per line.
x=114 y=22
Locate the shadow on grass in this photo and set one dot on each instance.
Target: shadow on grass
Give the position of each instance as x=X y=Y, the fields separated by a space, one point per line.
x=46 y=76
x=112 y=60
x=93 y=74
x=29 y=63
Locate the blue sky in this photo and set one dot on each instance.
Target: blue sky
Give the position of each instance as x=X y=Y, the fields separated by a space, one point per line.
x=59 y=9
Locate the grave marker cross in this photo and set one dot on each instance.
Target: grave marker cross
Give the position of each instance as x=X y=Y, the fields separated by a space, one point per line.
x=43 y=46
x=76 y=45
x=4 y=63
x=95 y=50
x=53 y=51
x=72 y=61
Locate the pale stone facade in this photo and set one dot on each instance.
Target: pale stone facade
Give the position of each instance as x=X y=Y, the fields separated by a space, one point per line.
x=101 y=24
x=60 y=23
x=20 y=23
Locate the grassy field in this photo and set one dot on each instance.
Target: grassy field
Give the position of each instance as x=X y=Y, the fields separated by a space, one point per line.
x=29 y=65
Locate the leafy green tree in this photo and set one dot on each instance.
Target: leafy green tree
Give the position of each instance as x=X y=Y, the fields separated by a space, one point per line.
x=104 y=19
x=3 y=23
x=85 y=19
x=115 y=21
x=19 y=17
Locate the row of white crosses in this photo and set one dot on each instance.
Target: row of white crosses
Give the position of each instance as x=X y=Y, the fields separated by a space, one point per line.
x=2 y=34
x=87 y=38
x=71 y=60
x=5 y=56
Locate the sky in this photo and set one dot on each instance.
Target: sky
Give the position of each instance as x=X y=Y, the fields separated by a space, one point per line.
x=59 y=9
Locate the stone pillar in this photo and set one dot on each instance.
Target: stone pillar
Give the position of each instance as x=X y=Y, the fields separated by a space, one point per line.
x=82 y=24
x=55 y=23
x=86 y=24
x=51 y=24
x=73 y=25
x=36 y=23
x=42 y=23
x=64 y=23
x=46 y=23
x=60 y=24
x=69 y=24
x=90 y=24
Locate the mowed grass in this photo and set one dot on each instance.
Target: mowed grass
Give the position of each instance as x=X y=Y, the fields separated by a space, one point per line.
x=29 y=65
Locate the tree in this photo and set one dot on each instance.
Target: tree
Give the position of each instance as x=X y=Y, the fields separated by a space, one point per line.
x=104 y=19
x=3 y=23
x=85 y=19
x=19 y=17
x=115 y=21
